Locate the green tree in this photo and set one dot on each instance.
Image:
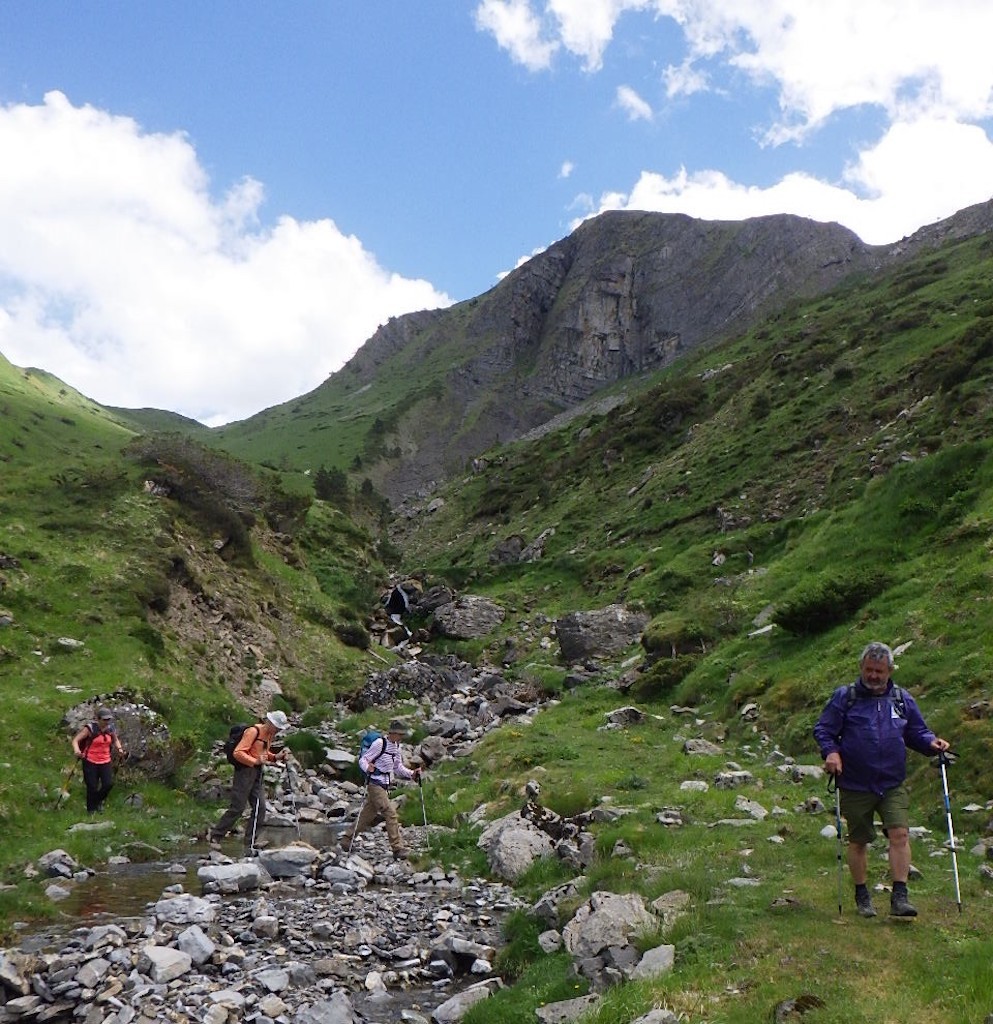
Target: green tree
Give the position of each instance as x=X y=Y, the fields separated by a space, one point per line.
x=331 y=485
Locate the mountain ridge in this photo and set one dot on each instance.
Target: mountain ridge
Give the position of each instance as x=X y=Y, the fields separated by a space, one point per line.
x=624 y=294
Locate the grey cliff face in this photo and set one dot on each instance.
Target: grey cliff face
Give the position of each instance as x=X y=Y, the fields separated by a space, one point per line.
x=625 y=294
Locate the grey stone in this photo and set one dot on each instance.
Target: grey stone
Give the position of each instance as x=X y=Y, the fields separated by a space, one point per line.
x=658 y=1017
x=92 y=972
x=625 y=716
x=455 y=1008
x=584 y=635
x=513 y=844
x=606 y=919
x=11 y=977
x=468 y=617
x=229 y=999
x=185 y=909
x=335 y=1010
x=654 y=963
x=566 y=1010
x=240 y=877
x=290 y=861
x=750 y=807
x=701 y=747
x=274 y=979
x=194 y=942
x=163 y=963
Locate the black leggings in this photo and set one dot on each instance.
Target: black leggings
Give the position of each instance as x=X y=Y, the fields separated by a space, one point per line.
x=99 y=779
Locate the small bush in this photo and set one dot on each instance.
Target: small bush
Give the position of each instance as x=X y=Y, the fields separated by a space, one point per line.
x=352 y=634
x=761 y=406
x=664 y=675
x=671 y=635
x=307 y=747
x=829 y=599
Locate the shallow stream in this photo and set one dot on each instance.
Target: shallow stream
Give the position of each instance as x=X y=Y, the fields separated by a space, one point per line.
x=120 y=891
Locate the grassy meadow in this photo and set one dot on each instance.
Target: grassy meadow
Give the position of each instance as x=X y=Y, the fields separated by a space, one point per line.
x=772 y=503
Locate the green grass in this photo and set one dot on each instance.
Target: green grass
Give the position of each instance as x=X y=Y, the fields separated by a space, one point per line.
x=832 y=473
x=91 y=556
x=739 y=951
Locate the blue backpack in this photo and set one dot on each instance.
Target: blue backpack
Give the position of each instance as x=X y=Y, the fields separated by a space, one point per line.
x=368 y=739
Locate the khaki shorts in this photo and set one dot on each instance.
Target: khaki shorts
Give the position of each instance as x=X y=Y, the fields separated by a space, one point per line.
x=859 y=809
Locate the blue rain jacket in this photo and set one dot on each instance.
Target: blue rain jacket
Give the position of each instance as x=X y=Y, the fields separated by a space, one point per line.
x=872 y=737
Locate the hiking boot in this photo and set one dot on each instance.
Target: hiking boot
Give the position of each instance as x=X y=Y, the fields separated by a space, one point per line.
x=863 y=904
x=900 y=906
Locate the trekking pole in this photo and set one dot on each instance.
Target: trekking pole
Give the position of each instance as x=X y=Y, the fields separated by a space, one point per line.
x=943 y=760
x=63 y=793
x=832 y=787
x=255 y=816
x=355 y=826
x=420 y=786
x=290 y=775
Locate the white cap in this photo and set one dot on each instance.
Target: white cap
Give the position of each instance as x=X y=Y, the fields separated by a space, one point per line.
x=278 y=719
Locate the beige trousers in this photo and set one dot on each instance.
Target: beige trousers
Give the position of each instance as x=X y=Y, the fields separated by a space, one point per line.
x=377 y=805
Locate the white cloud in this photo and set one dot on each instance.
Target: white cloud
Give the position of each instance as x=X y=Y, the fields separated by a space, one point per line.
x=121 y=274
x=565 y=171
x=586 y=27
x=632 y=104
x=907 y=56
x=532 y=32
x=684 y=80
x=518 y=30
x=918 y=173
x=923 y=65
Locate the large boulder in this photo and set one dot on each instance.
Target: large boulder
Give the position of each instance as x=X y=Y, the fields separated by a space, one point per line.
x=468 y=617
x=456 y=1007
x=606 y=919
x=513 y=844
x=163 y=963
x=184 y=909
x=237 y=877
x=604 y=631
x=293 y=861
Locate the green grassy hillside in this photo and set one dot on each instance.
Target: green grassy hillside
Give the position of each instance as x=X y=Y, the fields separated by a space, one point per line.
x=829 y=473
x=773 y=504
x=181 y=579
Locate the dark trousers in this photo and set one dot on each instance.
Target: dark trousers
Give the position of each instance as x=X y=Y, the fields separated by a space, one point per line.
x=246 y=791
x=99 y=781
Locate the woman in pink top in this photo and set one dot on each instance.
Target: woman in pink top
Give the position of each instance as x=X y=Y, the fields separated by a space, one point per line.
x=94 y=745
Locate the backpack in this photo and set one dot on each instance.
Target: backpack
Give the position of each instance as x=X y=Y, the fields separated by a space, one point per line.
x=94 y=728
x=235 y=734
x=368 y=739
x=897 y=700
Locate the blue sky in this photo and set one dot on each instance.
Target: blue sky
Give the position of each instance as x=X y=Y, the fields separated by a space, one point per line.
x=209 y=206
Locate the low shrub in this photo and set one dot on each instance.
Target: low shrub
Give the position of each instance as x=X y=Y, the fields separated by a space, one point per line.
x=829 y=599
x=352 y=634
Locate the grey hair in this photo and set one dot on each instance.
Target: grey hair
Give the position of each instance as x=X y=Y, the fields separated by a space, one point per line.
x=877 y=651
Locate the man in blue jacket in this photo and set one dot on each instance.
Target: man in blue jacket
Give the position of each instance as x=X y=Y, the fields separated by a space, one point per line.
x=863 y=733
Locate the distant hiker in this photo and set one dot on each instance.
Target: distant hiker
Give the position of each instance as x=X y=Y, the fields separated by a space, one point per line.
x=95 y=745
x=863 y=733
x=380 y=763
x=397 y=603
x=247 y=788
